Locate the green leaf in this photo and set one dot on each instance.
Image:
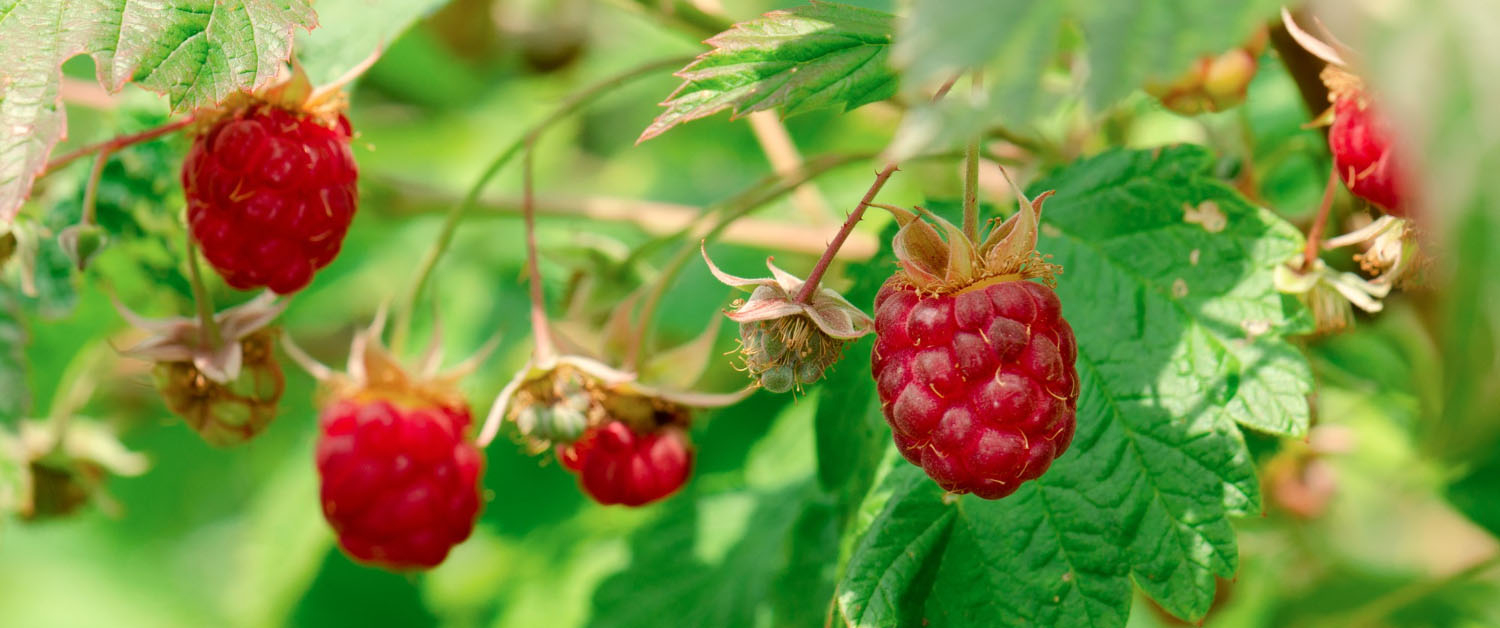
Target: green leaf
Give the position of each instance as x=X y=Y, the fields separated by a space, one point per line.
x=820 y=55
x=1477 y=494
x=197 y=52
x=1015 y=42
x=713 y=561
x=851 y=434
x=350 y=31
x=1181 y=341
x=892 y=568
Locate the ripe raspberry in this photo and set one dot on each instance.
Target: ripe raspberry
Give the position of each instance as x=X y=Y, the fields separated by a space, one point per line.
x=399 y=482
x=979 y=386
x=1360 y=142
x=270 y=195
x=973 y=363
x=617 y=465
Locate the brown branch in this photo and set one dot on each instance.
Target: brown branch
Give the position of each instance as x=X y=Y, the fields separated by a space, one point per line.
x=1315 y=233
x=116 y=144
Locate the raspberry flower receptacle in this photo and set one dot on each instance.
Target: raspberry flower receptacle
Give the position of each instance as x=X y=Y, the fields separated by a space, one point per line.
x=788 y=343
x=223 y=380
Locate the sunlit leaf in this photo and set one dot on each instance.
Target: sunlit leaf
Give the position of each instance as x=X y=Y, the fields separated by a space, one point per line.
x=821 y=55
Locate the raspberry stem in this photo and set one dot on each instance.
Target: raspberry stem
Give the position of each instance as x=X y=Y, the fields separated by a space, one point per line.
x=455 y=215
x=115 y=144
x=713 y=223
x=541 y=330
x=811 y=287
x=971 y=169
x=208 y=327
x=1315 y=233
x=91 y=189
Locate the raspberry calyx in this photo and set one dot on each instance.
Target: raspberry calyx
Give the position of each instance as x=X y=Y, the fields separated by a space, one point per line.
x=787 y=343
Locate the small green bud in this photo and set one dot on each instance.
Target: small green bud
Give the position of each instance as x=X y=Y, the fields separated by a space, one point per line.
x=778 y=379
x=809 y=372
x=82 y=242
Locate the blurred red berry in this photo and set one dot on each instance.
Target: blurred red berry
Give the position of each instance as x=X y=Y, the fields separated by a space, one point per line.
x=617 y=465
x=399 y=483
x=1360 y=142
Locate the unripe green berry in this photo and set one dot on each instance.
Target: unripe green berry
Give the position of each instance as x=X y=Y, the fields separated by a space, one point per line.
x=778 y=379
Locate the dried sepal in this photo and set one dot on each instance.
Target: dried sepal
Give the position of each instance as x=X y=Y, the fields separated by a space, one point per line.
x=1329 y=293
x=598 y=391
x=184 y=339
x=934 y=264
x=62 y=470
x=787 y=343
x=1332 y=53
x=373 y=372
x=775 y=297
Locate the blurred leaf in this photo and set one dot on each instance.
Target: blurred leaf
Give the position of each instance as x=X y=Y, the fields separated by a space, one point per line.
x=350 y=31
x=671 y=577
x=939 y=39
x=1431 y=66
x=801 y=592
x=1130 y=41
x=821 y=55
x=1015 y=42
x=282 y=546
x=197 y=52
x=1477 y=494
x=15 y=396
x=1162 y=309
x=15 y=477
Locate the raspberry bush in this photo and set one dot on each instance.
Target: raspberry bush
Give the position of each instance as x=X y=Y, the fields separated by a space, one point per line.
x=920 y=313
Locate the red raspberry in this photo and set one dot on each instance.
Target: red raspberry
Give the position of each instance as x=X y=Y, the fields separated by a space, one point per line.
x=399 y=484
x=270 y=193
x=617 y=465
x=1361 y=145
x=978 y=385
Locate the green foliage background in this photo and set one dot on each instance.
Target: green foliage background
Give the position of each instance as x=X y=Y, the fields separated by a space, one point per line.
x=761 y=536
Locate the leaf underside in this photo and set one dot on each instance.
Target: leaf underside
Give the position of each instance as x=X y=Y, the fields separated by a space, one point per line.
x=1181 y=342
x=809 y=57
x=197 y=52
